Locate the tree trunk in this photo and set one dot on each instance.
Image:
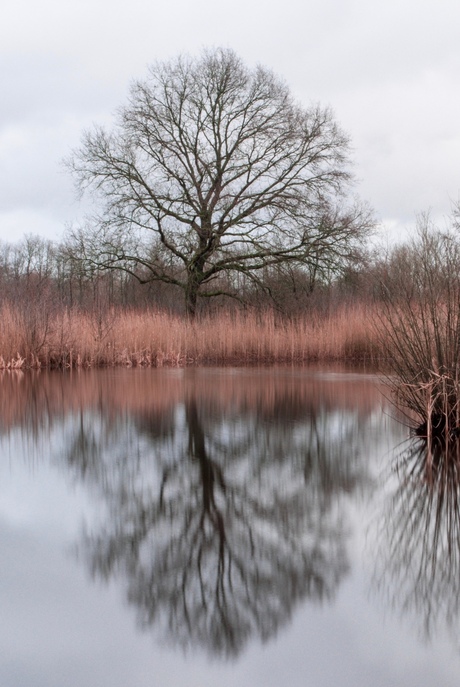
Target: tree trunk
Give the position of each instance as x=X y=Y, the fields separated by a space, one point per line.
x=191 y=298
x=191 y=292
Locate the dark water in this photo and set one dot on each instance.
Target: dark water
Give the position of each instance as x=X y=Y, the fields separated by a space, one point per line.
x=221 y=527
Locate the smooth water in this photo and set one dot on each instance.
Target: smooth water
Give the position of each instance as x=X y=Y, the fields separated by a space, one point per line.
x=220 y=527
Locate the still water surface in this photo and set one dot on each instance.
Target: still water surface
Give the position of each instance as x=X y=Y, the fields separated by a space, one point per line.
x=220 y=527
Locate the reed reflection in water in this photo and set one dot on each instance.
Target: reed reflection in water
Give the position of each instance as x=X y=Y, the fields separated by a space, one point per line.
x=419 y=566
x=225 y=493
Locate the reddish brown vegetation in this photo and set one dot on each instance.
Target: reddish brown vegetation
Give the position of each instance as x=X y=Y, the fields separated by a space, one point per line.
x=118 y=337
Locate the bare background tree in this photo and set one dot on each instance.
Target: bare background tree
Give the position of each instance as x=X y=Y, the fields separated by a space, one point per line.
x=213 y=171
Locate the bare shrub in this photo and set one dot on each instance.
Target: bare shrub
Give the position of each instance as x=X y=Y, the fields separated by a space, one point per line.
x=420 y=328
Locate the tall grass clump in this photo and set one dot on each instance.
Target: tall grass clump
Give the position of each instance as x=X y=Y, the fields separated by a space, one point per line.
x=420 y=329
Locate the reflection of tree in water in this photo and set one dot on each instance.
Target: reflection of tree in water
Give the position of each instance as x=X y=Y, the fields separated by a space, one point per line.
x=220 y=523
x=421 y=536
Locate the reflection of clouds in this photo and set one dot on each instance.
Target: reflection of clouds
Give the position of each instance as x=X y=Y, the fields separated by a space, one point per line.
x=419 y=569
x=221 y=525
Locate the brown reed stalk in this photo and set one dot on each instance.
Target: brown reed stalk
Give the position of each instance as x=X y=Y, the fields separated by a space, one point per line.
x=150 y=338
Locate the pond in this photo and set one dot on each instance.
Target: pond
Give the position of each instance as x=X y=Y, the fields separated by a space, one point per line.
x=221 y=527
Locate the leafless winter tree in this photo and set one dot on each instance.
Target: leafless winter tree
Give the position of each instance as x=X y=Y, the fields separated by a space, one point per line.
x=212 y=169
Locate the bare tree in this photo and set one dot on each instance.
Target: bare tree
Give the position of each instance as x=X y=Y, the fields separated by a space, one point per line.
x=212 y=168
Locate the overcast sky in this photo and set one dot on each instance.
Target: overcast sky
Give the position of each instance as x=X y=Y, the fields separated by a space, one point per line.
x=389 y=70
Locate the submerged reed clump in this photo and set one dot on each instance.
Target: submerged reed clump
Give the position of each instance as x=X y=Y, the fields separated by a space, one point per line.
x=420 y=330
x=437 y=404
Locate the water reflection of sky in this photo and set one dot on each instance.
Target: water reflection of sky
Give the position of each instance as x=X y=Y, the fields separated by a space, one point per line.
x=61 y=627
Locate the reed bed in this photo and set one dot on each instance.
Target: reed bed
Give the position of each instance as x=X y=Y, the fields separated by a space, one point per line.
x=132 y=338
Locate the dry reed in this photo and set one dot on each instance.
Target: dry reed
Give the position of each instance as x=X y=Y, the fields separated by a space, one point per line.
x=133 y=338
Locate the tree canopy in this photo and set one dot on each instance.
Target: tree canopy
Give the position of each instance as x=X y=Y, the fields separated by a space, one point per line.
x=212 y=170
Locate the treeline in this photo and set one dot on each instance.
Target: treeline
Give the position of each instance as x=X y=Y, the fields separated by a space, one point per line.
x=55 y=312
x=37 y=271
